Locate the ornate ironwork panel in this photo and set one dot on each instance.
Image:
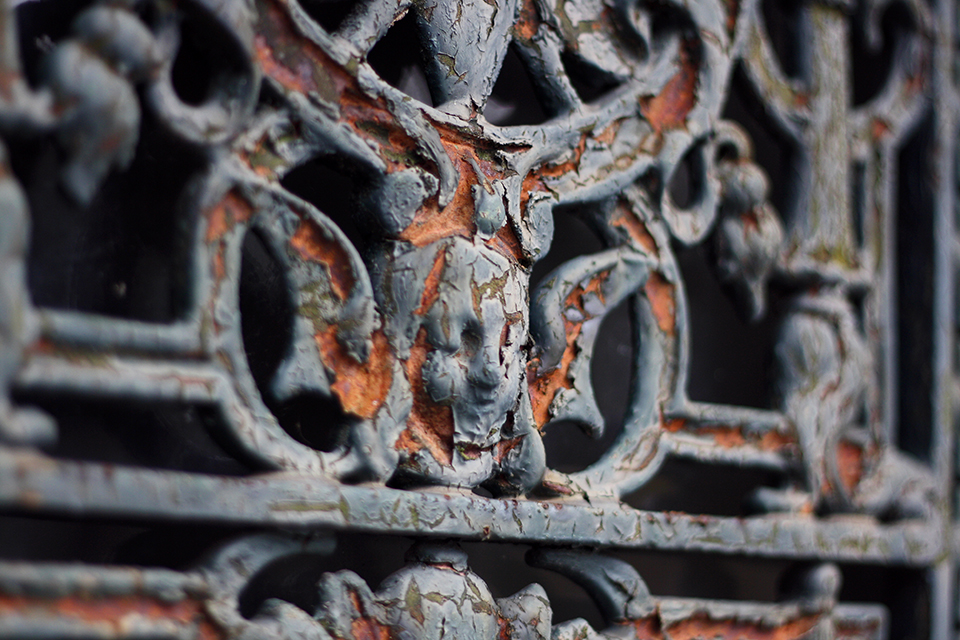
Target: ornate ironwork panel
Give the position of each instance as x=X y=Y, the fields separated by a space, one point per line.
x=351 y=318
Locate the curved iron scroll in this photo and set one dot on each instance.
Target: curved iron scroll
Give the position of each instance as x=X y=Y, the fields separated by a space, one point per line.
x=349 y=306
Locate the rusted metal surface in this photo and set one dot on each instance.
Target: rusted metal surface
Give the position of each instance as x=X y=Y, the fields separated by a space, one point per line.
x=39 y=601
x=434 y=360
x=106 y=491
x=434 y=596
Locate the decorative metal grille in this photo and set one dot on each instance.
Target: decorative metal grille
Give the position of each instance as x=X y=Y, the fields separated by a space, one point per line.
x=657 y=295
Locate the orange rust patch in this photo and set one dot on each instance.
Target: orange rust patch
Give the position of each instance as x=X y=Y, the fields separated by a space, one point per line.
x=503 y=447
x=313 y=245
x=726 y=437
x=221 y=218
x=291 y=59
x=916 y=82
x=669 y=109
x=608 y=135
x=295 y=81
x=361 y=387
x=42 y=346
x=733 y=12
x=430 y=425
x=371 y=119
x=219 y=266
x=504 y=628
x=363 y=627
x=751 y=223
x=545 y=386
x=8 y=81
x=646 y=628
x=543 y=389
x=703 y=627
x=112 y=610
x=776 y=441
x=217 y=225
x=660 y=293
x=556 y=488
x=879 y=128
x=534 y=181
x=506 y=243
x=531 y=183
x=431 y=289
x=673 y=425
x=300 y=65
x=225 y=214
x=628 y=220
x=729 y=436
x=563 y=168
x=366 y=629
x=528 y=21
x=849 y=464
x=431 y=223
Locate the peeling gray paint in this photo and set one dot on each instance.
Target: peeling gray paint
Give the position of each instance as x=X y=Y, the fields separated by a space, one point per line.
x=448 y=367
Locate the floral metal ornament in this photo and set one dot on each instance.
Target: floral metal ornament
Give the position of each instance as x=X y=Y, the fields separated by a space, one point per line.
x=392 y=364
x=444 y=365
x=460 y=212
x=434 y=596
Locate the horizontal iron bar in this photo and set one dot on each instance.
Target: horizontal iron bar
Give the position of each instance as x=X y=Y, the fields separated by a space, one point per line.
x=37 y=484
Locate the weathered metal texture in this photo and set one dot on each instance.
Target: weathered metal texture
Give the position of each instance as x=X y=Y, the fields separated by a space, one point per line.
x=445 y=376
x=436 y=595
x=105 y=491
x=73 y=601
x=815 y=111
x=447 y=366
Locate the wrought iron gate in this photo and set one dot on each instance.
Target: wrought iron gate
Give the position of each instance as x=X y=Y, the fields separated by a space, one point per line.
x=350 y=319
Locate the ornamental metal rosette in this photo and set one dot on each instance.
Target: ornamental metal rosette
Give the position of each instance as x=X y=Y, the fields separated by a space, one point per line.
x=395 y=368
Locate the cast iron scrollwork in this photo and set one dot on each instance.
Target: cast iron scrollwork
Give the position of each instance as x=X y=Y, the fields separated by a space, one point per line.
x=435 y=376
x=445 y=366
x=429 y=359
x=435 y=595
